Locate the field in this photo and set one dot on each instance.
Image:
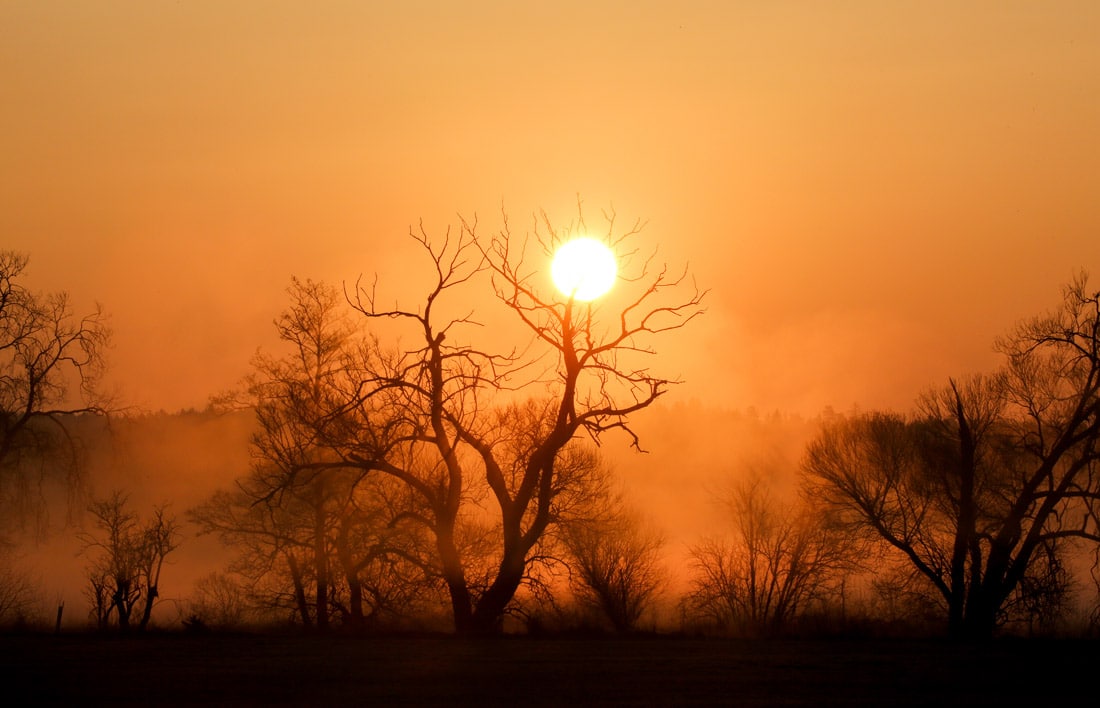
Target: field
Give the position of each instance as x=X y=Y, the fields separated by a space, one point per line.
x=212 y=670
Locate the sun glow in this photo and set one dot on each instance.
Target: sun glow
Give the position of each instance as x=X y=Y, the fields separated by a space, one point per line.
x=584 y=269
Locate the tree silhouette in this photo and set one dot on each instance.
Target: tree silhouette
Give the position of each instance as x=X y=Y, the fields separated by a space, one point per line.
x=220 y=602
x=616 y=564
x=781 y=559
x=313 y=534
x=982 y=489
x=126 y=559
x=18 y=593
x=45 y=351
x=457 y=423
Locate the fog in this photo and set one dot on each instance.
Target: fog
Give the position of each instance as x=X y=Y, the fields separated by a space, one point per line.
x=689 y=459
x=173 y=460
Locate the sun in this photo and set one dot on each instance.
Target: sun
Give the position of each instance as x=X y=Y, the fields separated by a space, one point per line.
x=584 y=268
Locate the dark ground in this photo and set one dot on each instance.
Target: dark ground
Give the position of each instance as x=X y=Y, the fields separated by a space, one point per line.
x=261 y=670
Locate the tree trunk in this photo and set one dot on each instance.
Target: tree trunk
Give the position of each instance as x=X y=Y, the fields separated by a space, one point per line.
x=123 y=606
x=965 y=544
x=979 y=621
x=489 y=613
x=455 y=577
x=351 y=576
x=151 y=595
x=321 y=568
x=299 y=590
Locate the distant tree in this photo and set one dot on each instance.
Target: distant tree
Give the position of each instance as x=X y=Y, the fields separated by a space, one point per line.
x=269 y=552
x=439 y=412
x=782 y=559
x=323 y=550
x=220 y=601
x=899 y=598
x=982 y=490
x=18 y=593
x=320 y=537
x=45 y=352
x=126 y=556
x=615 y=559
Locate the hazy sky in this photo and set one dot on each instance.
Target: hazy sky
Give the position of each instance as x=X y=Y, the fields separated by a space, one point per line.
x=872 y=190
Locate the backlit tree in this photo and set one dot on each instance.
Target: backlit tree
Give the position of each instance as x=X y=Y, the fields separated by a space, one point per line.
x=50 y=363
x=983 y=488
x=126 y=556
x=461 y=423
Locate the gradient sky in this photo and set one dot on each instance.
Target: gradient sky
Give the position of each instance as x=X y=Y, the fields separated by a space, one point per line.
x=872 y=190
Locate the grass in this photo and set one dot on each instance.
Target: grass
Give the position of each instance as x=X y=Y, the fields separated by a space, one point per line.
x=263 y=669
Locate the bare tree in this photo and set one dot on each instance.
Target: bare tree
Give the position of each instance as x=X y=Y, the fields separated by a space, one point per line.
x=19 y=594
x=127 y=557
x=315 y=531
x=900 y=598
x=324 y=549
x=220 y=601
x=45 y=351
x=270 y=551
x=782 y=559
x=289 y=393
x=984 y=487
x=616 y=562
x=434 y=414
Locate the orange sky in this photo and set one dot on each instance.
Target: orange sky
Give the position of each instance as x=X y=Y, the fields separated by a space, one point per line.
x=872 y=190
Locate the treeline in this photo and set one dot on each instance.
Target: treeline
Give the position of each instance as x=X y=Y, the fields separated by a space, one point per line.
x=761 y=559
x=969 y=515
x=403 y=473
x=134 y=465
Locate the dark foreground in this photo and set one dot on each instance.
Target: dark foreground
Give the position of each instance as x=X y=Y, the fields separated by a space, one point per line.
x=261 y=670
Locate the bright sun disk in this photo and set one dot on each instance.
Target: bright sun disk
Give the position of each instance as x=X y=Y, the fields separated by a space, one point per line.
x=584 y=269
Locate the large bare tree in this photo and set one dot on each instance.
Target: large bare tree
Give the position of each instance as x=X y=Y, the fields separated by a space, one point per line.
x=50 y=363
x=986 y=485
x=458 y=421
